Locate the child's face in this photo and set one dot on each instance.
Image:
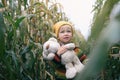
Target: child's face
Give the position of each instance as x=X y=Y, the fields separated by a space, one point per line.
x=65 y=34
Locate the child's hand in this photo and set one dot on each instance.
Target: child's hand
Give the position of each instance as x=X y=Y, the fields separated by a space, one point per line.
x=61 y=50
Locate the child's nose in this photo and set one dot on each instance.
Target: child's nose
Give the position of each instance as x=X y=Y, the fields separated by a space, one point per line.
x=66 y=33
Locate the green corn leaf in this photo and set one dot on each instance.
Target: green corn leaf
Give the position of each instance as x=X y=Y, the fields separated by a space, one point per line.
x=2 y=39
x=18 y=21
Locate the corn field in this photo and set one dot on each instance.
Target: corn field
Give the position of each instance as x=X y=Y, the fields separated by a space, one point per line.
x=26 y=24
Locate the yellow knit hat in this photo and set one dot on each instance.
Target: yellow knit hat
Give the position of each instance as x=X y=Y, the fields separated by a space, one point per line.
x=57 y=26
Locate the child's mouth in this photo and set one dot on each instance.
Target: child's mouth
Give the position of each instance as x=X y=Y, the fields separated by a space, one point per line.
x=66 y=38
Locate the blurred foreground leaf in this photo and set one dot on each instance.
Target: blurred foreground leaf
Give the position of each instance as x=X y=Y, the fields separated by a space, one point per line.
x=98 y=56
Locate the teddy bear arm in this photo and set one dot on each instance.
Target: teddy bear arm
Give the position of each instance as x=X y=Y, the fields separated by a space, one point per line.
x=48 y=56
x=70 y=46
x=44 y=54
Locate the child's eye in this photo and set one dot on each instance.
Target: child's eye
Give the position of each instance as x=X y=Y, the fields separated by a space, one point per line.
x=69 y=31
x=61 y=31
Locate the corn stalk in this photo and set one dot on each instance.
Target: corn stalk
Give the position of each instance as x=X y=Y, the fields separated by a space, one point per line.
x=28 y=26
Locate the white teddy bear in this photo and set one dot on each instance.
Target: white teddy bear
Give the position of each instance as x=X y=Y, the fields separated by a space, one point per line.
x=50 y=47
x=69 y=58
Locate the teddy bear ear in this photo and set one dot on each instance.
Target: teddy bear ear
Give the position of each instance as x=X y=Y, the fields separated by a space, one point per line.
x=53 y=34
x=47 y=47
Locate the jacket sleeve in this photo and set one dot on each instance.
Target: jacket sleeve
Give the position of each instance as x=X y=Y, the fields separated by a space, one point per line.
x=80 y=55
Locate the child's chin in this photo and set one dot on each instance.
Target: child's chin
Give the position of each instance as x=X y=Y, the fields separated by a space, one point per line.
x=66 y=41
